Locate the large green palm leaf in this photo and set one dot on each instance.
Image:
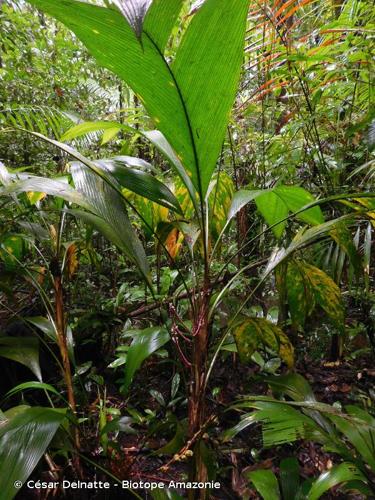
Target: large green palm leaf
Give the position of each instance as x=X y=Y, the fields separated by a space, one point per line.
x=189 y=100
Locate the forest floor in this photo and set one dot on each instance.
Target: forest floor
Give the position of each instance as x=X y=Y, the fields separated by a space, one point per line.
x=136 y=455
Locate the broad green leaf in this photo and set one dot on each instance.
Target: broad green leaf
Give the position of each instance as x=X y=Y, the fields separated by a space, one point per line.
x=24 y=438
x=296 y=197
x=337 y=475
x=274 y=210
x=242 y=198
x=256 y=331
x=277 y=203
x=207 y=69
x=190 y=101
x=144 y=343
x=266 y=484
x=24 y=350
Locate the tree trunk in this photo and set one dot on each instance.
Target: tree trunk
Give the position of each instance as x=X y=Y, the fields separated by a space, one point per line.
x=64 y=353
x=197 y=403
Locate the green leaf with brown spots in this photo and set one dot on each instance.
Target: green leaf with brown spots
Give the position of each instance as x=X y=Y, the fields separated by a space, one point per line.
x=300 y=297
x=308 y=287
x=254 y=332
x=327 y=294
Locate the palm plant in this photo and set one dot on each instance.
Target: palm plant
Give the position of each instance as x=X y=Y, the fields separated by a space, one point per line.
x=191 y=119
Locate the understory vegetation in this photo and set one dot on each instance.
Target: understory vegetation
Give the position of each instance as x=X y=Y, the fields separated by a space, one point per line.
x=187 y=220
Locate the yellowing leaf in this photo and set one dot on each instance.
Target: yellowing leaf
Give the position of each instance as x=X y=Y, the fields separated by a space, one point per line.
x=109 y=134
x=173 y=242
x=220 y=200
x=257 y=331
x=182 y=194
x=34 y=196
x=300 y=297
x=309 y=286
x=71 y=263
x=327 y=293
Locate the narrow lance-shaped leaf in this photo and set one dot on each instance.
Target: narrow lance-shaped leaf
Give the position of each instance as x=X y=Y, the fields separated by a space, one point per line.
x=362 y=436
x=33 y=385
x=289 y=477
